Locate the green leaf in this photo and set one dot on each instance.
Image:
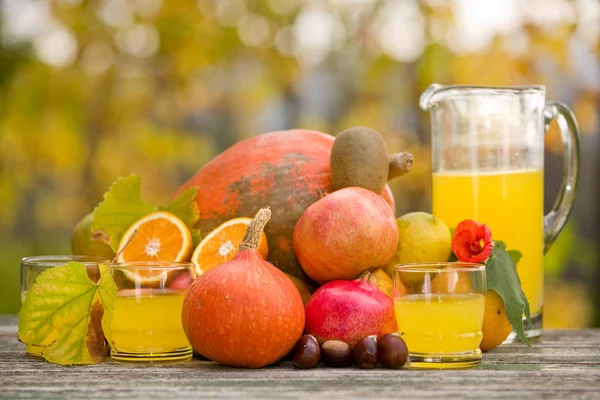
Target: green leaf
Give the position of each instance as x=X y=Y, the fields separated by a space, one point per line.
x=515 y=256
x=184 y=206
x=123 y=205
x=502 y=277
x=64 y=312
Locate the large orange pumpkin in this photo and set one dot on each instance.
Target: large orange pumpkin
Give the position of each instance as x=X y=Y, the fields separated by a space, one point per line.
x=285 y=170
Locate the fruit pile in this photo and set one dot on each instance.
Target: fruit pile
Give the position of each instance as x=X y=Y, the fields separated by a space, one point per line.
x=291 y=233
x=337 y=240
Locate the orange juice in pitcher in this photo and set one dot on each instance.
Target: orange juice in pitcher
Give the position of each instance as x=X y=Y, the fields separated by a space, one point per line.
x=488 y=165
x=491 y=198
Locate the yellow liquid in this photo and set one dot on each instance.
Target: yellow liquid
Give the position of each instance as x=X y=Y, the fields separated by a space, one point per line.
x=148 y=323
x=512 y=204
x=440 y=324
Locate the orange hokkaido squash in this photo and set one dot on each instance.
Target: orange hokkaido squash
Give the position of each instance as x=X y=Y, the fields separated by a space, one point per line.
x=245 y=312
x=286 y=170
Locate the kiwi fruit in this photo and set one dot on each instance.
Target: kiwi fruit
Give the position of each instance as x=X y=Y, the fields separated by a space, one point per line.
x=359 y=158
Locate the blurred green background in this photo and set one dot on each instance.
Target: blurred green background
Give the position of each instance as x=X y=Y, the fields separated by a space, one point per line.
x=94 y=90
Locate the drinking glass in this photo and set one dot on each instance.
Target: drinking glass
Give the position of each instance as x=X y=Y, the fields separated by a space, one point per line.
x=488 y=165
x=439 y=309
x=146 y=323
x=31 y=267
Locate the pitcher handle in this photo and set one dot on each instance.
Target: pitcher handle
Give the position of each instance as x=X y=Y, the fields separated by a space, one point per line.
x=555 y=220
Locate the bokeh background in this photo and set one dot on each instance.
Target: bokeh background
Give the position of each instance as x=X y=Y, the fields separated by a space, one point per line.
x=94 y=90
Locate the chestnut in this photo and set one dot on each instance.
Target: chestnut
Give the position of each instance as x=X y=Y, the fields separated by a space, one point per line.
x=307 y=352
x=365 y=352
x=336 y=353
x=392 y=351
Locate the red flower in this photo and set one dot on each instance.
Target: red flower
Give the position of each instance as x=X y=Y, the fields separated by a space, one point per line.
x=472 y=242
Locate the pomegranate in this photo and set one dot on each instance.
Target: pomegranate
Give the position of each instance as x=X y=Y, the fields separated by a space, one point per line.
x=349 y=310
x=182 y=281
x=344 y=234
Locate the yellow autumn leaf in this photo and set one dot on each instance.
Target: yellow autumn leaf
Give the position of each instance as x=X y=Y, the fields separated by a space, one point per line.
x=65 y=312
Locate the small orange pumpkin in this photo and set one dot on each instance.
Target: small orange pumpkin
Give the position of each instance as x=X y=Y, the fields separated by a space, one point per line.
x=245 y=312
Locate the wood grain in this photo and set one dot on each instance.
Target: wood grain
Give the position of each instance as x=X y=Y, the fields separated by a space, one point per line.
x=564 y=364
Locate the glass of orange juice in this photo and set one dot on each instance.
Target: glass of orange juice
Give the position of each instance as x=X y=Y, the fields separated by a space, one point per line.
x=146 y=323
x=32 y=267
x=439 y=309
x=488 y=165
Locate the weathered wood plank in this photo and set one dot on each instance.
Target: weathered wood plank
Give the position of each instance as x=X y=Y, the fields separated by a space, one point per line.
x=565 y=364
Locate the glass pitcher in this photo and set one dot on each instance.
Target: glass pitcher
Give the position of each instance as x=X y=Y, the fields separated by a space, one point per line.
x=488 y=165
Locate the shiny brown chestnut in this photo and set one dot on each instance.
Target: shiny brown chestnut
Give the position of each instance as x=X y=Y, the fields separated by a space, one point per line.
x=392 y=351
x=307 y=352
x=365 y=352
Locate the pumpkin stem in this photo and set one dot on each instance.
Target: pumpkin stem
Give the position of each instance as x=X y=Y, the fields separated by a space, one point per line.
x=399 y=164
x=255 y=229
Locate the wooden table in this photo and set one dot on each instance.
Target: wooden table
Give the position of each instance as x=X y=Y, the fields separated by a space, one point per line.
x=564 y=364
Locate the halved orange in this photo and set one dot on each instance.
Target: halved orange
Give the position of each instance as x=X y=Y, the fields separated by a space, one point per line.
x=159 y=236
x=220 y=245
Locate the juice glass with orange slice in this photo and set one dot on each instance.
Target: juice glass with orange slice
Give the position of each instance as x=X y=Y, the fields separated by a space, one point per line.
x=32 y=267
x=146 y=323
x=439 y=310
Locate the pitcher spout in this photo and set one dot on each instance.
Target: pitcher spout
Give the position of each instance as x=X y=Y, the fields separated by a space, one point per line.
x=428 y=97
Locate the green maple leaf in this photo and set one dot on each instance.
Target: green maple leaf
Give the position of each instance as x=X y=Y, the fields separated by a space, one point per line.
x=68 y=314
x=123 y=205
x=502 y=277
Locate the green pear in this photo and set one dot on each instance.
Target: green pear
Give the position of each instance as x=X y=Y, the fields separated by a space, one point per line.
x=83 y=243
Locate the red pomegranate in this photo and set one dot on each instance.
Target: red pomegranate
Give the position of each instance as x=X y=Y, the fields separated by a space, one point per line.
x=345 y=233
x=349 y=310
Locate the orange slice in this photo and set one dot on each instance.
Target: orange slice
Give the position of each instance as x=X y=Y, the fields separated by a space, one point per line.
x=161 y=236
x=221 y=244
